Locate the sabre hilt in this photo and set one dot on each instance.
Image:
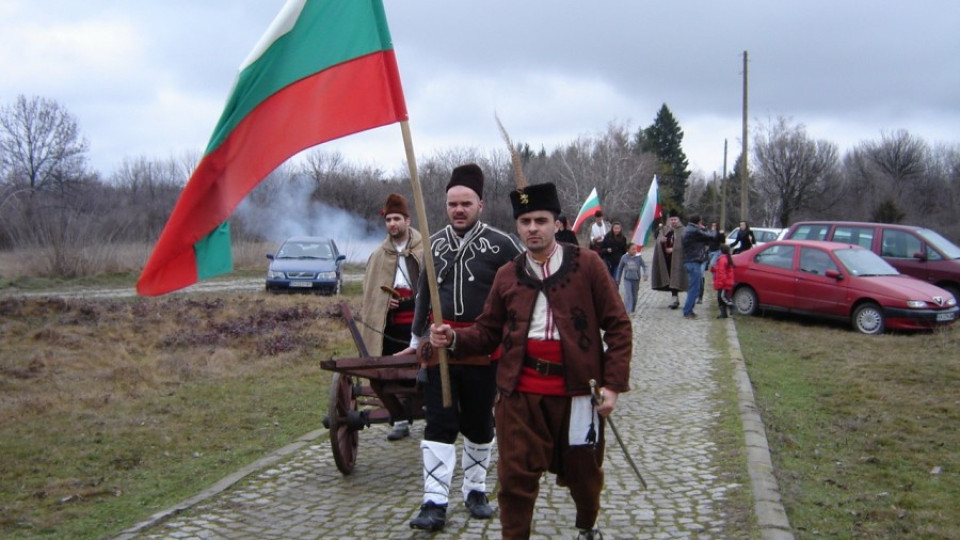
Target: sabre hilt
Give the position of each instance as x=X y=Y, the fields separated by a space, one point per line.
x=595 y=395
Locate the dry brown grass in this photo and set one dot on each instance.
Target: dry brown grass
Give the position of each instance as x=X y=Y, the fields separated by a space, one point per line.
x=118 y=258
x=117 y=408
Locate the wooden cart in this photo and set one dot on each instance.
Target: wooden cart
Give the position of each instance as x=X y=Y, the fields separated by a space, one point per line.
x=367 y=390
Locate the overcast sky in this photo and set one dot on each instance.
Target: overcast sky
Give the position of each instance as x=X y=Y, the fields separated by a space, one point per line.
x=150 y=77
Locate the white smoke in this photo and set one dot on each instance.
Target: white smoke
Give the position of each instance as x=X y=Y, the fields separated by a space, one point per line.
x=278 y=210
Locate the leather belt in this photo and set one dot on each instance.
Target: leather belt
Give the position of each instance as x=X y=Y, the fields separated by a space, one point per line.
x=543 y=367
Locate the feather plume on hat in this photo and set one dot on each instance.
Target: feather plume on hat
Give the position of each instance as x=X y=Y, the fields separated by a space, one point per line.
x=528 y=198
x=514 y=156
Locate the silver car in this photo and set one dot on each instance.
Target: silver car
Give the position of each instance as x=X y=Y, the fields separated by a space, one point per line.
x=306 y=263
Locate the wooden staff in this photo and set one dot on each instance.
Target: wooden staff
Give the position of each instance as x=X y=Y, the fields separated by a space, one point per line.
x=427 y=257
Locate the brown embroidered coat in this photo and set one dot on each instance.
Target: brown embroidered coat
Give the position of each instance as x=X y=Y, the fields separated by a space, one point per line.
x=583 y=299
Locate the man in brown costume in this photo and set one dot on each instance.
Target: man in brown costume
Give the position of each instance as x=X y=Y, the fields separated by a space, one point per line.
x=546 y=310
x=389 y=289
x=666 y=271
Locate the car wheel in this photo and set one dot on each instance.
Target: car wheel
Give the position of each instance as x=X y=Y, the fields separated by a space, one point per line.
x=745 y=300
x=868 y=319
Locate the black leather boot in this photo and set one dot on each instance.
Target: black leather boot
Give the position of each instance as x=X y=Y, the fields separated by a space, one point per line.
x=432 y=517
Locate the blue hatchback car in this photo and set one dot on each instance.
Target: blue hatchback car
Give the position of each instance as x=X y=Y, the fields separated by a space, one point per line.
x=306 y=263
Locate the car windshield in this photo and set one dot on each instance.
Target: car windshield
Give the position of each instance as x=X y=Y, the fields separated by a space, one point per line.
x=860 y=262
x=305 y=250
x=943 y=245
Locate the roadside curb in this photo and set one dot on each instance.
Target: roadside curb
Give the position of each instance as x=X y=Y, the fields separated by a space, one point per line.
x=225 y=483
x=771 y=516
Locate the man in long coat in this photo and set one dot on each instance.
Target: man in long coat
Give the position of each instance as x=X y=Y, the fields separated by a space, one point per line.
x=389 y=289
x=666 y=272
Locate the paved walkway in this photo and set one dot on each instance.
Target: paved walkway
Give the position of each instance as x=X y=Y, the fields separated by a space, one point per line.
x=666 y=421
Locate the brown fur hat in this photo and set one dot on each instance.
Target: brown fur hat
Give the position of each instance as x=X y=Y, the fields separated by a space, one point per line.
x=396 y=204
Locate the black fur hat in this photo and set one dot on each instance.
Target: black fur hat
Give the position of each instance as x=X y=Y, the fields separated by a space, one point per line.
x=535 y=197
x=468 y=175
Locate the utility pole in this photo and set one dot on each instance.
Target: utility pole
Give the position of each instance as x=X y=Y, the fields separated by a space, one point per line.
x=715 y=199
x=744 y=174
x=723 y=190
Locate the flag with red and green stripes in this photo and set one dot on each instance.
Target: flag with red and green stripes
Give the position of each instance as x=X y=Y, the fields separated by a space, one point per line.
x=324 y=69
x=650 y=212
x=590 y=207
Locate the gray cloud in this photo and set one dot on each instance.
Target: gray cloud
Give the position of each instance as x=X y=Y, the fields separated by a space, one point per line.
x=149 y=77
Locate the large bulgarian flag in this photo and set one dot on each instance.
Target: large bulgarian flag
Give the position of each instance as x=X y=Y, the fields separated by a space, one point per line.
x=649 y=213
x=324 y=69
x=590 y=207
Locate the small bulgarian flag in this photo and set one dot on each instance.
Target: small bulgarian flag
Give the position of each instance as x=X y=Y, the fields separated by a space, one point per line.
x=590 y=207
x=323 y=70
x=649 y=213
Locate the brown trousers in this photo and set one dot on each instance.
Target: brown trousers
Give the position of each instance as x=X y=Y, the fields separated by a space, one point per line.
x=532 y=433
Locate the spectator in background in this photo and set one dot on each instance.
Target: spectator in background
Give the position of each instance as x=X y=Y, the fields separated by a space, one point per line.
x=564 y=234
x=744 y=239
x=598 y=230
x=666 y=270
x=723 y=280
x=695 y=239
x=713 y=250
x=631 y=270
x=612 y=248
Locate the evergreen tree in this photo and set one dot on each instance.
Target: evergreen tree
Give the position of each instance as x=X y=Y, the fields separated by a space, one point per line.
x=887 y=212
x=663 y=139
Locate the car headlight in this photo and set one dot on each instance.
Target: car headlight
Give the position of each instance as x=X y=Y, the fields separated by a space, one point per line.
x=326 y=275
x=952 y=301
x=274 y=274
x=917 y=304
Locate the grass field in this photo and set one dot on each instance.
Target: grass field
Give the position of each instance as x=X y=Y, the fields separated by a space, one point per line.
x=863 y=429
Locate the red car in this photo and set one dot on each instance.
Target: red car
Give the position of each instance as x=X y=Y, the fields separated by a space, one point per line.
x=841 y=281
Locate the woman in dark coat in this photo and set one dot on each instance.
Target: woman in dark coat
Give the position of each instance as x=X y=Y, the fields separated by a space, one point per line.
x=613 y=247
x=564 y=234
x=745 y=238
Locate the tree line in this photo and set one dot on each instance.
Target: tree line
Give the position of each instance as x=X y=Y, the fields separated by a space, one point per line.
x=50 y=197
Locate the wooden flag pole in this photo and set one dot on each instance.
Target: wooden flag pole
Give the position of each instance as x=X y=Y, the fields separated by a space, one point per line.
x=427 y=257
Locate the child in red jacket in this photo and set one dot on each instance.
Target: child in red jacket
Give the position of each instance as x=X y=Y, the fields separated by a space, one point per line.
x=723 y=280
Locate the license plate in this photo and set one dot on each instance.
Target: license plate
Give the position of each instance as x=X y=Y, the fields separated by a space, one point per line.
x=946 y=316
x=303 y=284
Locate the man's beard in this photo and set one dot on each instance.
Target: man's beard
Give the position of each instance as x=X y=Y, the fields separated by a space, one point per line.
x=466 y=228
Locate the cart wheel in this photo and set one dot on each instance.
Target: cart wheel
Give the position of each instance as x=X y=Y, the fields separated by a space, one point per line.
x=343 y=439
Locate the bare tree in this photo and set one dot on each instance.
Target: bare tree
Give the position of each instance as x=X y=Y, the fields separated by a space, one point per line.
x=793 y=170
x=147 y=191
x=609 y=163
x=894 y=177
x=900 y=159
x=40 y=145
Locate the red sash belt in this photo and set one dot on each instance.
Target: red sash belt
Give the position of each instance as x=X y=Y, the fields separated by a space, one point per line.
x=542 y=371
x=402 y=316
